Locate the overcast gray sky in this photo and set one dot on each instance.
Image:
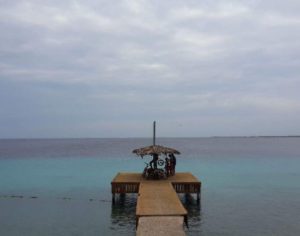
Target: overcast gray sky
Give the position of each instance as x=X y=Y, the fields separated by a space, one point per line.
x=109 y=68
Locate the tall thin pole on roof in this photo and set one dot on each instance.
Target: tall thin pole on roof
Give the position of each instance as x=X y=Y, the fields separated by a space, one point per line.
x=154 y=130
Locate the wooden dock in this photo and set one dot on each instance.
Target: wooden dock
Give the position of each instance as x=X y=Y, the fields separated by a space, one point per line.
x=184 y=182
x=157 y=199
x=160 y=226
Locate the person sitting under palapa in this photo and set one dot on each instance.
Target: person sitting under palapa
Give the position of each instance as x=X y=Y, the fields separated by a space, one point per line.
x=154 y=161
x=167 y=166
x=173 y=163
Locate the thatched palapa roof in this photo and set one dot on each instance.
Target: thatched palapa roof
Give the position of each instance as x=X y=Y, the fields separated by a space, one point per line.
x=155 y=149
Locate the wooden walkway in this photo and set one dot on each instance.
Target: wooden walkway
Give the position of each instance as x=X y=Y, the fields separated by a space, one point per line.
x=160 y=226
x=183 y=182
x=157 y=199
x=132 y=177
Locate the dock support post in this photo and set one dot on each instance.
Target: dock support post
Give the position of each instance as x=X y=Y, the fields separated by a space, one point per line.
x=186 y=221
x=113 y=199
x=136 y=222
x=198 y=198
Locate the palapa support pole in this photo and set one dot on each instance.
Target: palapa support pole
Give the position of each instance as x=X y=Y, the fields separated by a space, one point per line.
x=154 y=129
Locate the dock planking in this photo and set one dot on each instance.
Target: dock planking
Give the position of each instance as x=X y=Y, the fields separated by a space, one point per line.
x=127 y=182
x=132 y=177
x=160 y=226
x=157 y=198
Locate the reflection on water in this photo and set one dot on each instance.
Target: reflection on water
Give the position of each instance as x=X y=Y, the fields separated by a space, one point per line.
x=194 y=213
x=123 y=214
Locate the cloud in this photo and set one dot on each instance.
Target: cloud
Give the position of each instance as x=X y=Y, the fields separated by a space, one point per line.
x=104 y=65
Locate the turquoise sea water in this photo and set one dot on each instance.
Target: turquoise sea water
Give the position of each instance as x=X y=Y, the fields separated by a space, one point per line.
x=62 y=186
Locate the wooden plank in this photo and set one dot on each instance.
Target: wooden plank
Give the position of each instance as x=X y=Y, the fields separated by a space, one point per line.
x=160 y=226
x=183 y=177
x=128 y=177
x=125 y=177
x=158 y=198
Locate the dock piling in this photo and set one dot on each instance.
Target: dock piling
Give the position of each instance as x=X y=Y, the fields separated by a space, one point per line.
x=113 y=199
x=198 y=199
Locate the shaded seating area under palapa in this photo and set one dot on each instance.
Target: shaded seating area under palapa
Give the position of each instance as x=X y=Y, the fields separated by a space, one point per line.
x=158 y=168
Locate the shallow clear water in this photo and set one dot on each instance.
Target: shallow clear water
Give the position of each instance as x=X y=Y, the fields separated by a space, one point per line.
x=62 y=187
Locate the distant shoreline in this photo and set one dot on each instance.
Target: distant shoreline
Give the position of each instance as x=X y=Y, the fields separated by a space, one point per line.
x=262 y=136
x=251 y=136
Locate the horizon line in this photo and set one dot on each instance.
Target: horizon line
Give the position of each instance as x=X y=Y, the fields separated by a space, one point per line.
x=215 y=136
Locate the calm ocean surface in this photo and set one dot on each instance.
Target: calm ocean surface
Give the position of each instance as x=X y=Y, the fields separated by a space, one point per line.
x=251 y=186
